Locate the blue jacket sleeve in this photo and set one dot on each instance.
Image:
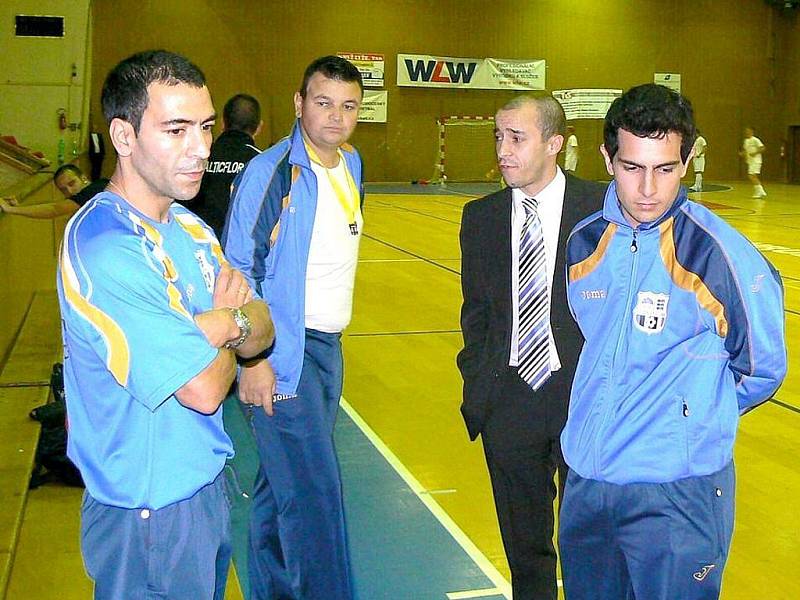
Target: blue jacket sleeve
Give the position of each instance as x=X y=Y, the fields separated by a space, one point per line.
x=756 y=342
x=252 y=217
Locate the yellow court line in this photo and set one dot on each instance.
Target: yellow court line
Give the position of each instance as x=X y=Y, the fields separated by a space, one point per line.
x=233 y=591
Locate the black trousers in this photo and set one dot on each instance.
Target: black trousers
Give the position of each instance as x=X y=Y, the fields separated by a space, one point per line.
x=523 y=453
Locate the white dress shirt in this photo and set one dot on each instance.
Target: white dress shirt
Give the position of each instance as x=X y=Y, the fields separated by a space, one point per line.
x=550 y=202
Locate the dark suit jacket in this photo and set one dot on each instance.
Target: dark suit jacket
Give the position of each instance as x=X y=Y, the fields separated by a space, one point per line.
x=486 y=315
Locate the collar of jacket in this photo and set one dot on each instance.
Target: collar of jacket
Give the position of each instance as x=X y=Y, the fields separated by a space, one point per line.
x=612 y=211
x=237 y=133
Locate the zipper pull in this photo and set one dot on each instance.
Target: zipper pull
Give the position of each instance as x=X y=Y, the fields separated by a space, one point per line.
x=634 y=246
x=685 y=409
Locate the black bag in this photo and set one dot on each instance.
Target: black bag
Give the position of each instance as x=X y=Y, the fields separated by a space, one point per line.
x=51 y=462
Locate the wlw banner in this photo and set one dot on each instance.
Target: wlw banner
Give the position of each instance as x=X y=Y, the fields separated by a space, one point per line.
x=422 y=70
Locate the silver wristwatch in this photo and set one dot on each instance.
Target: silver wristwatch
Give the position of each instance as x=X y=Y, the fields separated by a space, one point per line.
x=245 y=328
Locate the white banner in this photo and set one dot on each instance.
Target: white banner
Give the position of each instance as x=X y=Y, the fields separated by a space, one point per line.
x=373 y=106
x=670 y=80
x=586 y=103
x=422 y=70
x=371 y=67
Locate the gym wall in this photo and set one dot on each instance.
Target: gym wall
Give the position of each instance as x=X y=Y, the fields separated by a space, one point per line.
x=731 y=56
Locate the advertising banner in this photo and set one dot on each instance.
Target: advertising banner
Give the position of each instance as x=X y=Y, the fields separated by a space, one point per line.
x=670 y=80
x=586 y=103
x=369 y=65
x=422 y=70
x=373 y=106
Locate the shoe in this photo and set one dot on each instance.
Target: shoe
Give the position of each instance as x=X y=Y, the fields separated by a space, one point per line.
x=693 y=189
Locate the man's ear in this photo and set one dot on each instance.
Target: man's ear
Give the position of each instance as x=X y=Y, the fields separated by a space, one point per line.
x=554 y=144
x=607 y=159
x=122 y=136
x=298 y=105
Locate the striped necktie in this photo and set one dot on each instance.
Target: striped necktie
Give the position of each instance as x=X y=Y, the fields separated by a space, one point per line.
x=534 y=305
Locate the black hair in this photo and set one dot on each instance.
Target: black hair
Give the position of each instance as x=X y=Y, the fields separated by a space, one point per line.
x=69 y=167
x=242 y=113
x=332 y=67
x=650 y=111
x=124 y=93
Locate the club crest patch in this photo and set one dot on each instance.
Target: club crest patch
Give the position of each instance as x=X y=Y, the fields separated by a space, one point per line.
x=650 y=312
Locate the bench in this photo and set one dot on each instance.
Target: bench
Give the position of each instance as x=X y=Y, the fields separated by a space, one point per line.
x=24 y=385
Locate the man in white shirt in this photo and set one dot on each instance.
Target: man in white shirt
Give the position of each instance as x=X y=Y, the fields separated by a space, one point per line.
x=293 y=229
x=699 y=161
x=520 y=422
x=571 y=151
x=752 y=151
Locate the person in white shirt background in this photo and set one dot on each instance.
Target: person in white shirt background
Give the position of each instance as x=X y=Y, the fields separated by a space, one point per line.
x=571 y=150
x=699 y=162
x=752 y=151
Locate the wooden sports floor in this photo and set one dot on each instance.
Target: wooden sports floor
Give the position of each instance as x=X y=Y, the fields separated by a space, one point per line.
x=402 y=392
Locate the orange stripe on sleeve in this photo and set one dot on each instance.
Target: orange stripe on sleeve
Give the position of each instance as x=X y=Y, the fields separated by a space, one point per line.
x=687 y=280
x=589 y=264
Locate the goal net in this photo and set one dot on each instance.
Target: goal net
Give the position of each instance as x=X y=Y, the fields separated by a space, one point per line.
x=466 y=149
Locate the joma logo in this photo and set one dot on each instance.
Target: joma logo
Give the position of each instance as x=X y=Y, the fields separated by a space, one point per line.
x=593 y=294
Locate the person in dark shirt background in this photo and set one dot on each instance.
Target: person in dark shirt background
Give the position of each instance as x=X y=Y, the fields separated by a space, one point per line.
x=73 y=185
x=230 y=152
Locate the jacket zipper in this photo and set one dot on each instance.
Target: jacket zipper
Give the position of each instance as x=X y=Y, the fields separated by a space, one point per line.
x=634 y=247
x=685 y=413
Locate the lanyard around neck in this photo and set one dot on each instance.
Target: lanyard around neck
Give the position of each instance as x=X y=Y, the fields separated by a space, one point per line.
x=348 y=199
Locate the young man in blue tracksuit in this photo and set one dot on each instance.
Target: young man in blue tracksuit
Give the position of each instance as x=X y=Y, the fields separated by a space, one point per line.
x=684 y=328
x=293 y=229
x=153 y=318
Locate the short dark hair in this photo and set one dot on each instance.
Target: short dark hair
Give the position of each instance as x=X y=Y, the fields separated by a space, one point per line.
x=650 y=111
x=242 y=113
x=69 y=167
x=332 y=67
x=550 y=114
x=124 y=93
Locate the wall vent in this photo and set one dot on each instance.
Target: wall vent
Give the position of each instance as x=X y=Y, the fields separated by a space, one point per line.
x=38 y=26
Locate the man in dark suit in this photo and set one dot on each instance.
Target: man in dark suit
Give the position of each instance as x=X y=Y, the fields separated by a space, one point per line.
x=520 y=420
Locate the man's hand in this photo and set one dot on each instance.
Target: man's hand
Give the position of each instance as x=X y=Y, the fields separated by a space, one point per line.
x=257 y=385
x=231 y=289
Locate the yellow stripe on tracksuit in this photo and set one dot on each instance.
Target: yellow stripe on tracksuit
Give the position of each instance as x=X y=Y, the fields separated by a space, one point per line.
x=118 y=354
x=687 y=280
x=588 y=264
x=170 y=273
x=201 y=234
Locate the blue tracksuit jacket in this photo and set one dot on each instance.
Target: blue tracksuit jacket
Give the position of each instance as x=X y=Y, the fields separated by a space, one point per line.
x=684 y=327
x=267 y=235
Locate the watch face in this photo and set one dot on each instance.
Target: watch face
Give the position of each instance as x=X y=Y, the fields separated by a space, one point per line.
x=243 y=322
x=245 y=327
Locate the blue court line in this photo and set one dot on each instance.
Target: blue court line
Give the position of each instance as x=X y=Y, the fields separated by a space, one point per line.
x=402 y=545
